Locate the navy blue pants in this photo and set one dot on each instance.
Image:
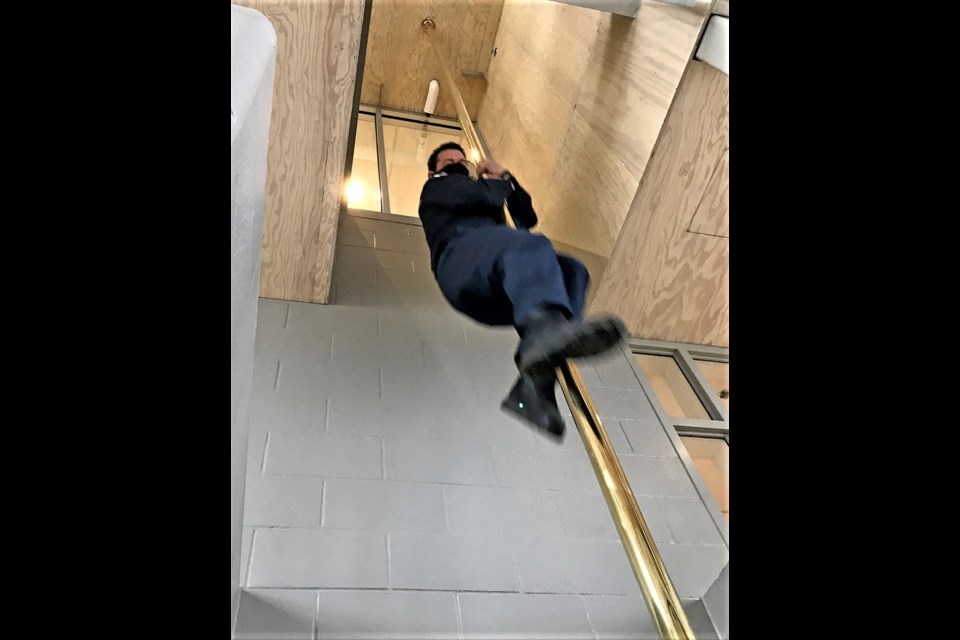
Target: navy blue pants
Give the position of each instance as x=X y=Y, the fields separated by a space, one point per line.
x=499 y=276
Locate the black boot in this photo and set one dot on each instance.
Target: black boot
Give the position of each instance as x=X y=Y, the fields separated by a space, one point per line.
x=533 y=401
x=549 y=338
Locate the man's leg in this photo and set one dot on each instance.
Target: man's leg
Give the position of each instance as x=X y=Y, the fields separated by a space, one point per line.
x=516 y=270
x=576 y=279
x=494 y=271
x=472 y=269
x=548 y=337
x=470 y=276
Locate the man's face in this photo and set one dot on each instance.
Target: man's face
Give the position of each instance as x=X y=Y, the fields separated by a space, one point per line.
x=448 y=157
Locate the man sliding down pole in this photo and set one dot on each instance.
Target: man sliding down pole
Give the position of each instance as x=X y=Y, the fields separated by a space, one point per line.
x=501 y=276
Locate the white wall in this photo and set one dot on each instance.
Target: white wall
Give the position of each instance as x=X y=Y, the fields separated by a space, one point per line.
x=253 y=45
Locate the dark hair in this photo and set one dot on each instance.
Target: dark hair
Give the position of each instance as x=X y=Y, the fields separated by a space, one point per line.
x=432 y=161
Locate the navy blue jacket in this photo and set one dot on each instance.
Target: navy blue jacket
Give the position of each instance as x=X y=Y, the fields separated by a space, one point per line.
x=452 y=204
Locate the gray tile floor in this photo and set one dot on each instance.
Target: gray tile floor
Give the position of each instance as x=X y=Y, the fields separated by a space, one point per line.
x=388 y=496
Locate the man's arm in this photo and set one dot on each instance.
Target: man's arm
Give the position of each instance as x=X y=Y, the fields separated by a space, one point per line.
x=518 y=202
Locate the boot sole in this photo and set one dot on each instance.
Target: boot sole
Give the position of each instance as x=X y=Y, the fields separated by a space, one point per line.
x=591 y=338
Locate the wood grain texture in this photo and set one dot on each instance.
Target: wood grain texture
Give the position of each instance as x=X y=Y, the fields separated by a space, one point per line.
x=479 y=86
x=592 y=192
x=531 y=101
x=557 y=40
x=542 y=53
x=633 y=75
x=712 y=216
x=318 y=46
x=666 y=282
x=577 y=110
x=399 y=57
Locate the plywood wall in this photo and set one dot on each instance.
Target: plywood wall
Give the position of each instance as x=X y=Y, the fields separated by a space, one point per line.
x=543 y=49
x=575 y=101
x=318 y=46
x=668 y=274
x=399 y=57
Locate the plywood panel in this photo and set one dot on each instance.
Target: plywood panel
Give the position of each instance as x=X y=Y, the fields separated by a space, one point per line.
x=590 y=194
x=479 y=86
x=712 y=216
x=527 y=100
x=556 y=39
x=485 y=52
x=633 y=75
x=337 y=102
x=666 y=282
x=399 y=56
x=542 y=52
x=318 y=45
x=690 y=297
x=618 y=76
x=628 y=84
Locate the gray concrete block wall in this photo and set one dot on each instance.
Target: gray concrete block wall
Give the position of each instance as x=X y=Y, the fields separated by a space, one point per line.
x=388 y=491
x=717 y=604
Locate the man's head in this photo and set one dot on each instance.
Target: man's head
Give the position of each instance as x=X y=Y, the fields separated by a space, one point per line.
x=449 y=157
